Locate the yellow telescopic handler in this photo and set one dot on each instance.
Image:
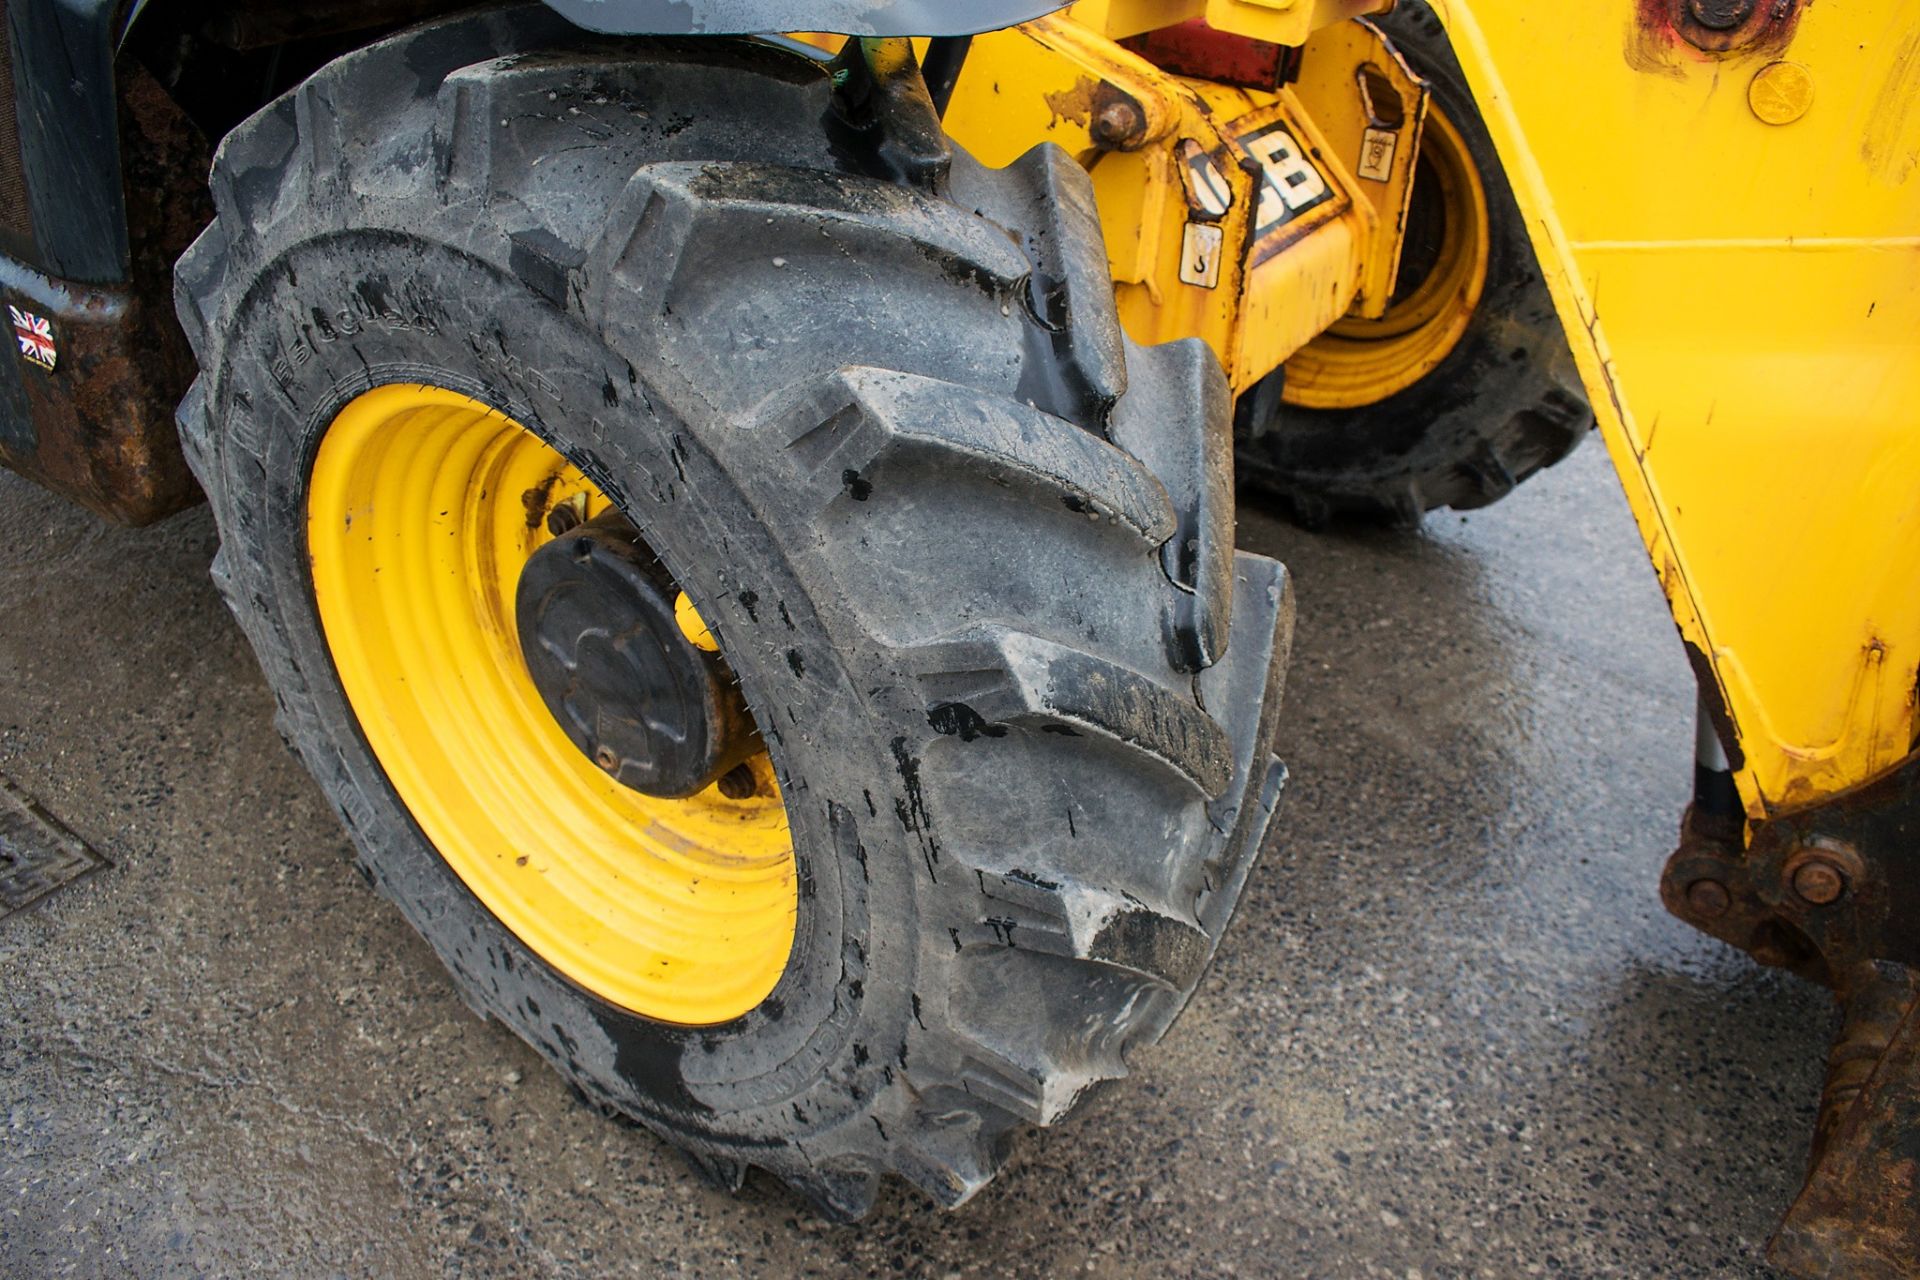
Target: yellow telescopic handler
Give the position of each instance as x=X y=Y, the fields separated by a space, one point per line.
x=735 y=499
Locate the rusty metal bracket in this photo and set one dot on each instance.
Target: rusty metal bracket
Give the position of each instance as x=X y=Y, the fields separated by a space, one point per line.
x=1856 y=1215
x=1833 y=893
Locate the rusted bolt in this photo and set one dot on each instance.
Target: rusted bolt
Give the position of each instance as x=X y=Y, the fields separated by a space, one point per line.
x=567 y=515
x=1118 y=124
x=606 y=759
x=738 y=783
x=1818 y=881
x=1720 y=15
x=1708 y=899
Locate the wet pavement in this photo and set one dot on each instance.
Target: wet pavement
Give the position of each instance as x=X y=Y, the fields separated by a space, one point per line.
x=1452 y=1032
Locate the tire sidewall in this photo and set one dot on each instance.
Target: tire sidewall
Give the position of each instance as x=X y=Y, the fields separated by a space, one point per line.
x=342 y=313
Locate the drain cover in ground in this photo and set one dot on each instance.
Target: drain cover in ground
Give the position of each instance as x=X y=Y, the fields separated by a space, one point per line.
x=37 y=854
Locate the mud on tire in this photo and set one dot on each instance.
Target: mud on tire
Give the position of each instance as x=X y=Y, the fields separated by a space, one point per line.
x=968 y=550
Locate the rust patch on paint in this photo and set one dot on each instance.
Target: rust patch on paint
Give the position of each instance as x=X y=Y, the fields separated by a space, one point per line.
x=1664 y=37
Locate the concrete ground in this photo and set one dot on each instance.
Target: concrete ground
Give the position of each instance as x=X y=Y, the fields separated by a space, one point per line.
x=1452 y=1033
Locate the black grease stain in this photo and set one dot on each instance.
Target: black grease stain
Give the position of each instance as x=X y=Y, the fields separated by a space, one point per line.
x=537 y=499
x=912 y=811
x=914 y=808
x=857 y=488
x=958 y=718
x=795 y=661
x=748 y=599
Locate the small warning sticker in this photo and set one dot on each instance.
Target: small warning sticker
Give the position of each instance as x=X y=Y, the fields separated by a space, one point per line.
x=35 y=335
x=1200 y=255
x=1376 y=154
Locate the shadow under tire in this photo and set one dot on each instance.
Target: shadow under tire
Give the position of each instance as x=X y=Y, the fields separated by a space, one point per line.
x=966 y=549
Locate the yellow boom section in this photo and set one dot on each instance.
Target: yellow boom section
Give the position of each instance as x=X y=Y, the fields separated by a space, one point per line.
x=1733 y=242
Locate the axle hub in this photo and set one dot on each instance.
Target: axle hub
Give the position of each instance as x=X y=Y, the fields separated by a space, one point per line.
x=595 y=612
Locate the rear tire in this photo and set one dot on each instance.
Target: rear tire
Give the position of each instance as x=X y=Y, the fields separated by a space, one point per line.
x=1504 y=402
x=870 y=405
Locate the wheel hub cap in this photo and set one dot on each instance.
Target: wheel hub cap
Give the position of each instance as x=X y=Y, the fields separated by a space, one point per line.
x=598 y=631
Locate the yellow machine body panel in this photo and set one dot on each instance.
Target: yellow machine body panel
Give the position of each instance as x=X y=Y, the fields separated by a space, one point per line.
x=1733 y=243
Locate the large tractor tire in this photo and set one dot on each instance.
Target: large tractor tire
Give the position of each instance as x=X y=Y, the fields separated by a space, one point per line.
x=754 y=612
x=1466 y=386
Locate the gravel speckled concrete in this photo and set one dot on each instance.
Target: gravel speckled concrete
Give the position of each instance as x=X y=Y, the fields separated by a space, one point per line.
x=1451 y=1034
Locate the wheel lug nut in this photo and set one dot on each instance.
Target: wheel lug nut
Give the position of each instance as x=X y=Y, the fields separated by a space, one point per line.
x=567 y=514
x=738 y=783
x=606 y=759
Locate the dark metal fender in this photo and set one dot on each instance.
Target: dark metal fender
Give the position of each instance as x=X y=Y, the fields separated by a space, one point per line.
x=847 y=17
x=64 y=101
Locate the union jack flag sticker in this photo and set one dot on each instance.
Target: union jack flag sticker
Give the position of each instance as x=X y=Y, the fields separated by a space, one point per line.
x=36 y=338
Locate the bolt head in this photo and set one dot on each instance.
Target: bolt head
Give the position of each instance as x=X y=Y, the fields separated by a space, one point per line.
x=606 y=759
x=1720 y=15
x=1819 y=882
x=1708 y=899
x=738 y=783
x=563 y=519
x=1118 y=124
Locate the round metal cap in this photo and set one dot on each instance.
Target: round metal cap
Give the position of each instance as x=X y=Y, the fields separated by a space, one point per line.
x=595 y=613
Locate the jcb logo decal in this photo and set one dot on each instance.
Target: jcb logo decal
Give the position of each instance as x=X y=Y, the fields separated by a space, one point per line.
x=1290 y=184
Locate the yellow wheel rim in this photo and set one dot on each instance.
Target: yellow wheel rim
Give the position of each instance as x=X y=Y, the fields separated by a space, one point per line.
x=1359 y=362
x=422 y=508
